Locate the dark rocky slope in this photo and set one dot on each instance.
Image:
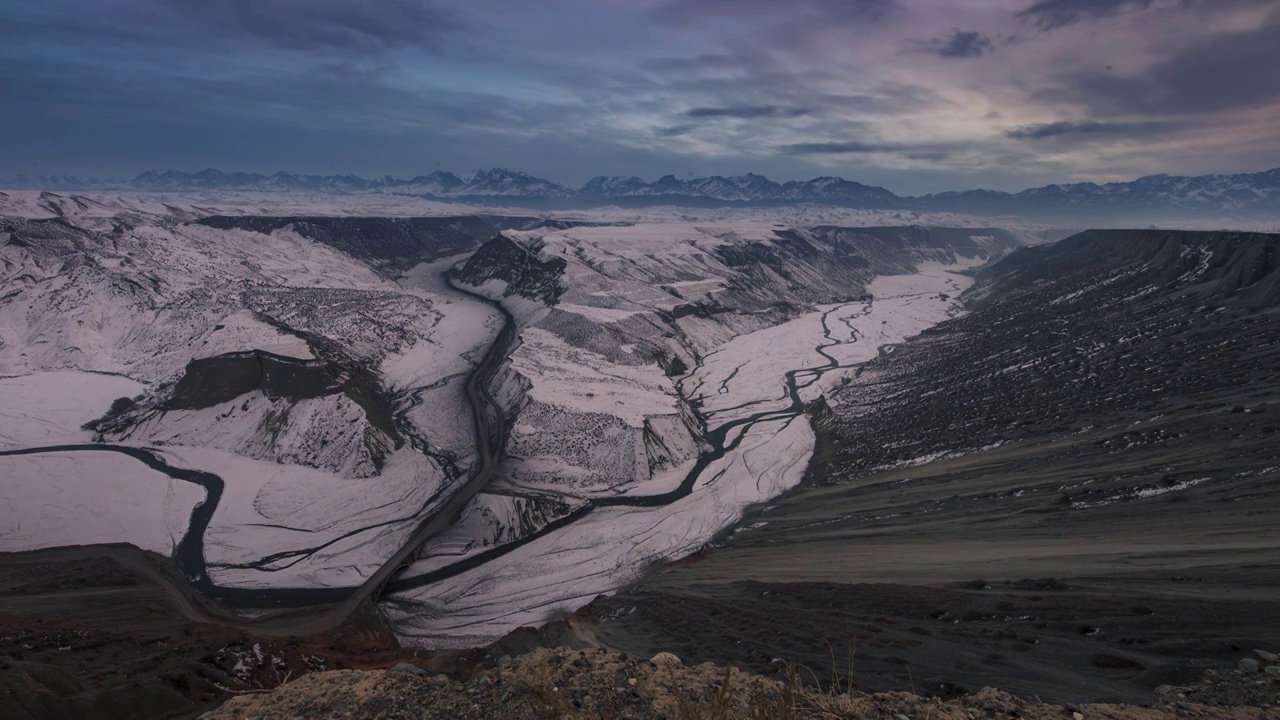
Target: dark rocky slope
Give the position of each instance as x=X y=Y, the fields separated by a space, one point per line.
x=1069 y=492
x=385 y=243
x=524 y=269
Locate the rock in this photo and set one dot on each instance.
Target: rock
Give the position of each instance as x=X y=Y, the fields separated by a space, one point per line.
x=484 y=681
x=631 y=682
x=1247 y=666
x=900 y=716
x=1266 y=656
x=1077 y=716
x=666 y=659
x=408 y=668
x=1169 y=694
x=504 y=661
x=1273 y=671
x=440 y=680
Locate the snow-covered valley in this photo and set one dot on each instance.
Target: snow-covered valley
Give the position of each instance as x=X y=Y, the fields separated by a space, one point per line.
x=660 y=394
x=640 y=386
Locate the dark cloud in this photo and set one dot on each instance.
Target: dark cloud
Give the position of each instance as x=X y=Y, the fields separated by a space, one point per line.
x=1053 y=14
x=931 y=155
x=747 y=112
x=343 y=25
x=1223 y=72
x=839 y=11
x=851 y=147
x=961 y=44
x=1066 y=128
x=709 y=61
x=676 y=130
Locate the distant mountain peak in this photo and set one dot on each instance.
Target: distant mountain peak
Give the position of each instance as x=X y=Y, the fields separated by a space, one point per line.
x=1255 y=195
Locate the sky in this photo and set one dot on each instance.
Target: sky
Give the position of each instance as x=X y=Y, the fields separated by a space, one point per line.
x=914 y=95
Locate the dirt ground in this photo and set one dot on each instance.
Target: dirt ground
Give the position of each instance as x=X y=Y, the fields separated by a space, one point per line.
x=972 y=572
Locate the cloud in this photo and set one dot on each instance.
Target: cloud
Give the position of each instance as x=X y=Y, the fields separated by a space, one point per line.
x=708 y=61
x=682 y=12
x=929 y=155
x=675 y=130
x=1211 y=74
x=961 y=44
x=344 y=25
x=1065 y=128
x=637 y=86
x=850 y=147
x=747 y=112
x=1052 y=14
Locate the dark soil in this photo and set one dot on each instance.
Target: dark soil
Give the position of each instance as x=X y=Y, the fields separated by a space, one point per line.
x=85 y=636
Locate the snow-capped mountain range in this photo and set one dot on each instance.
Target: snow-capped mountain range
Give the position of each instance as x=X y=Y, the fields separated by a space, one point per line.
x=1156 y=196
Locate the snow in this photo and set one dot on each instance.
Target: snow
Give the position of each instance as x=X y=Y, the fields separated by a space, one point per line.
x=91 y=497
x=241 y=331
x=48 y=408
x=566 y=569
x=746 y=374
x=456 y=342
x=587 y=382
x=269 y=508
x=329 y=432
x=1141 y=493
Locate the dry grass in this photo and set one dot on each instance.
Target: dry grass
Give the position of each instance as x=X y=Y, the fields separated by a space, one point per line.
x=579 y=684
x=545 y=691
x=789 y=700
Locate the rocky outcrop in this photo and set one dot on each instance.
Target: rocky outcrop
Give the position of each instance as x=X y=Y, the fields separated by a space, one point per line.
x=211 y=381
x=388 y=244
x=523 y=268
x=315 y=413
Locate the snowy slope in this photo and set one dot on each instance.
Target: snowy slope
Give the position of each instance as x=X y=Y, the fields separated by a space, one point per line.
x=322 y=392
x=79 y=498
x=50 y=408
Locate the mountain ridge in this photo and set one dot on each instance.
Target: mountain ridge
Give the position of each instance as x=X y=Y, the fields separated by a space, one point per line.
x=1243 y=194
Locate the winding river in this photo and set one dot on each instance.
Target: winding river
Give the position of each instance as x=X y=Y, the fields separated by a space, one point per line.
x=489 y=426
x=716 y=438
x=331 y=606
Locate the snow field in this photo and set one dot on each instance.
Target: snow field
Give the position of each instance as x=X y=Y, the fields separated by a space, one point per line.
x=89 y=498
